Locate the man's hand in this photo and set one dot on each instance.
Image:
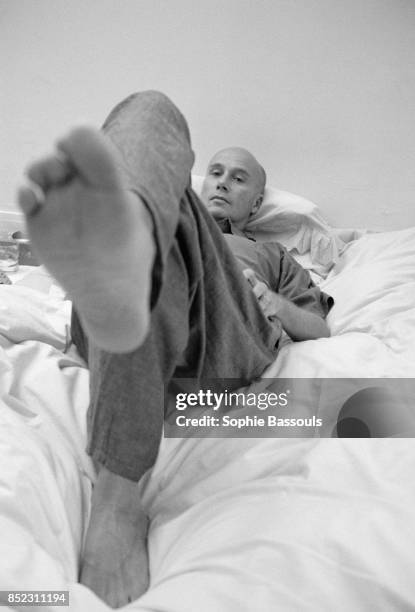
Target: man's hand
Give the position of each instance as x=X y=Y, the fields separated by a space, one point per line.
x=269 y=301
x=300 y=324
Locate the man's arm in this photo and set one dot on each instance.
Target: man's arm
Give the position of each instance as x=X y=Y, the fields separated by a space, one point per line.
x=300 y=324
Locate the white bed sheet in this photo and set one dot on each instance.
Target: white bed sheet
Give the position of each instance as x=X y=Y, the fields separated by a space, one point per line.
x=237 y=525
x=45 y=476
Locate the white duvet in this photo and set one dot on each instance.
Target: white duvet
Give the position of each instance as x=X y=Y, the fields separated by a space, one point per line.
x=237 y=524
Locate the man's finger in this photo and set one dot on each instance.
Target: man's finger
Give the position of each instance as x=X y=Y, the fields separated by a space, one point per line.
x=250 y=277
x=259 y=290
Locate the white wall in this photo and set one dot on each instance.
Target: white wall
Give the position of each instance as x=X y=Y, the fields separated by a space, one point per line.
x=322 y=91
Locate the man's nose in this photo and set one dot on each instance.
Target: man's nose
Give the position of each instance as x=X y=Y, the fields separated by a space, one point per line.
x=222 y=183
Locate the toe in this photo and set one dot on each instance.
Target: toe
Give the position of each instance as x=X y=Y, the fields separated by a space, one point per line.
x=89 y=151
x=50 y=171
x=28 y=200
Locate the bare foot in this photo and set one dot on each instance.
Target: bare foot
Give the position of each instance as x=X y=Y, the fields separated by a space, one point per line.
x=94 y=236
x=115 y=561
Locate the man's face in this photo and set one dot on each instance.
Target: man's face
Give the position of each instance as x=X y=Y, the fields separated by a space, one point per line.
x=233 y=186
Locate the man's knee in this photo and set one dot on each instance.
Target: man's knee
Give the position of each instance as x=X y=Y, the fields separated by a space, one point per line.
x=150 y=101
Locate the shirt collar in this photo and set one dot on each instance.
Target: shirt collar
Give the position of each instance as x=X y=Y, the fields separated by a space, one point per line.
x=227 y=227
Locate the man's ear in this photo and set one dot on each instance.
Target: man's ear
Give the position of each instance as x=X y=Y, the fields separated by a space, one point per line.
x=257 y=204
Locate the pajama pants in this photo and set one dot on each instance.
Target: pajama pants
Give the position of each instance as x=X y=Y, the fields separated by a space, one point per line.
x=205 y=320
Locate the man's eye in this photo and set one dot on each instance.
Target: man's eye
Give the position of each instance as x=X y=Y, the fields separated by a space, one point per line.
x=239 y=179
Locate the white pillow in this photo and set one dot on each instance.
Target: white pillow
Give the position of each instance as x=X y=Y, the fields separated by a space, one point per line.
x=374 y=289
x=297 y=224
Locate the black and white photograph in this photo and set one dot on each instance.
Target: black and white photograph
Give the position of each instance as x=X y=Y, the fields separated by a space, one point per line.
x=207 y=305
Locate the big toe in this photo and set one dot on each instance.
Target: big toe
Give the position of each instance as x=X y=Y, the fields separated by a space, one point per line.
x=92 y=155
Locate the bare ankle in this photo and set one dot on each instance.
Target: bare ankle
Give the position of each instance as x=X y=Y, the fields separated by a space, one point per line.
x=116 y=492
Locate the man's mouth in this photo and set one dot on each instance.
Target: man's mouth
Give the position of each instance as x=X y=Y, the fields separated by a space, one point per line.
x=220 y=198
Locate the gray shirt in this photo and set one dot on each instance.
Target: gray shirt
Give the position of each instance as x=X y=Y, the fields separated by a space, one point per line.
x=275 y=267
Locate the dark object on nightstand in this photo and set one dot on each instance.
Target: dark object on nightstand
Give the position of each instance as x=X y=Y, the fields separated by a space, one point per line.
x=4 y=279
x=26 y=255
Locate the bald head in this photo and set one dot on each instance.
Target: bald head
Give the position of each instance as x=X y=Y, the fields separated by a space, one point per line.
x=234 y=185
x=247 y=160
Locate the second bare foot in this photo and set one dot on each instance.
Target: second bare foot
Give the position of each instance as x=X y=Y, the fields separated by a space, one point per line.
x=115 y=558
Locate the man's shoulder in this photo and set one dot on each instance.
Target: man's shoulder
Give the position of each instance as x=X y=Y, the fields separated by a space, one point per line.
x=271 y=249
x=240 y=241
x=243 y=245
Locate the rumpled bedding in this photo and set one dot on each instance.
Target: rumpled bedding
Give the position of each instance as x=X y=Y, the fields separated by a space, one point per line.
x=45 y=476
x=236 y=524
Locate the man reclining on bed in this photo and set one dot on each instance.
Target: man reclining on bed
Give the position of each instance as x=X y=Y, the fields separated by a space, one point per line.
x=233 y=191
x=159 y=294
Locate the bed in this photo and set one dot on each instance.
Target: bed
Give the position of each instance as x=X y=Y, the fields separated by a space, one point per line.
x=237 y=524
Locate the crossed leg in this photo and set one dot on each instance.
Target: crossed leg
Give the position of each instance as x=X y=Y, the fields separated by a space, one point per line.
x=95 y=236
